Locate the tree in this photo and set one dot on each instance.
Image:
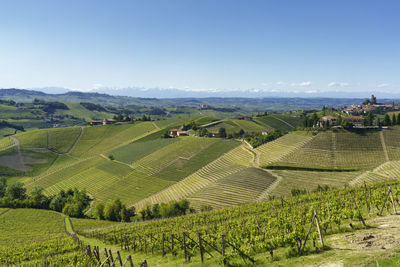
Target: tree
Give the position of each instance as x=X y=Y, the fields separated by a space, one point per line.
x=366 y=102
x=398 y=118
x=98 y=211
x=386 y=120
x=222 y=132
x=3 y=186
x=241 y=132
x=369 y=119
x=16 y=191
x=38 y=199
x=73 y=210
x=314 y=119
x=394 y=120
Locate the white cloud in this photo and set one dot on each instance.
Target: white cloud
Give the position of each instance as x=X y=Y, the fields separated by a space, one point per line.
x=305 y=83
x=383 y=85
x=301 y=84
x=311 y=92
x=338 y=84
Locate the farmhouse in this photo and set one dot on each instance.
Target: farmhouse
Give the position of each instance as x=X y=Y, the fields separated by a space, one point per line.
x=358 y=121
x=93 y=123
x=328 y=121
x=182 y=133
x=109 y=121
x=173 y=132
x=246 y=118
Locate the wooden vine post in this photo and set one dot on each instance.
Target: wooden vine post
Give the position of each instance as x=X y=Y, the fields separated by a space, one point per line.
x=201 y=248
x=319 y=229
x=223 y=245
x=359 y=213
x=184 y=245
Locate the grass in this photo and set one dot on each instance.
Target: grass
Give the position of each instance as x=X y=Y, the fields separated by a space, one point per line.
x=5 y=142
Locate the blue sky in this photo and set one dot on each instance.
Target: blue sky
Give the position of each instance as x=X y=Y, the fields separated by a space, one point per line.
x=300 y=46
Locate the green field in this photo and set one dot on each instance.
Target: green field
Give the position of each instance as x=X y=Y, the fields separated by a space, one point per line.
x=278 y=121
x=338 y=150
x=241 y=187
x=28 y=235
x=136 y=150
x=5 y=142
x=100 y=139
x=229 y=164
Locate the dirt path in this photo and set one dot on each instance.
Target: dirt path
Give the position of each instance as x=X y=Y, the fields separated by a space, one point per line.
x=256 y=164
x=15 y=140
x=76 y=141
x=155 y=125
x=384 y=146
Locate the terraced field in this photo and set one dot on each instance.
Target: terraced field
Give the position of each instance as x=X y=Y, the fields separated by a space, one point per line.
x=241 y=187
x=100 y=139
x=310 y=180
x=58 y=139
x=338 y=150
x=185 y=148
x=136 y=150
x=387 y=171
x=229 y=164
x=278 y=121
x=275 y=150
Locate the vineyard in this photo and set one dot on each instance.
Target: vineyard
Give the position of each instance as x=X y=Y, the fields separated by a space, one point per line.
x=301 y=223
x=33 y=237
x=338 y=150
x=278 y=121
x=230 y=163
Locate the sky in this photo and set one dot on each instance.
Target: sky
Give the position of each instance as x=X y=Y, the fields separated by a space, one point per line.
x=294 y=46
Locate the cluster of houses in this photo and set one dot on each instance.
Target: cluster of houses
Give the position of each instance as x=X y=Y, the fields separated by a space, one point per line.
x=357 y=121
x=177 y=132
x=371 y=106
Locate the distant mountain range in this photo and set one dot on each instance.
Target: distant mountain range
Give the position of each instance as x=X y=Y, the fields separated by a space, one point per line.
x=250 y=102
x=250 y=93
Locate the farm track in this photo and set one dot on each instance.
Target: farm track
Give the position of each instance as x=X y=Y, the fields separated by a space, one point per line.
x=384 y=146
x=256 y=164
x=16 y=143
x=76 y=141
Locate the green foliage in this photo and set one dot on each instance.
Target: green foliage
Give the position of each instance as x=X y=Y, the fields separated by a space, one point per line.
x=386 y=120
x=166 y=210
x=222 y=132
x=258 y=139
x=16 y=191
x=114 y=211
